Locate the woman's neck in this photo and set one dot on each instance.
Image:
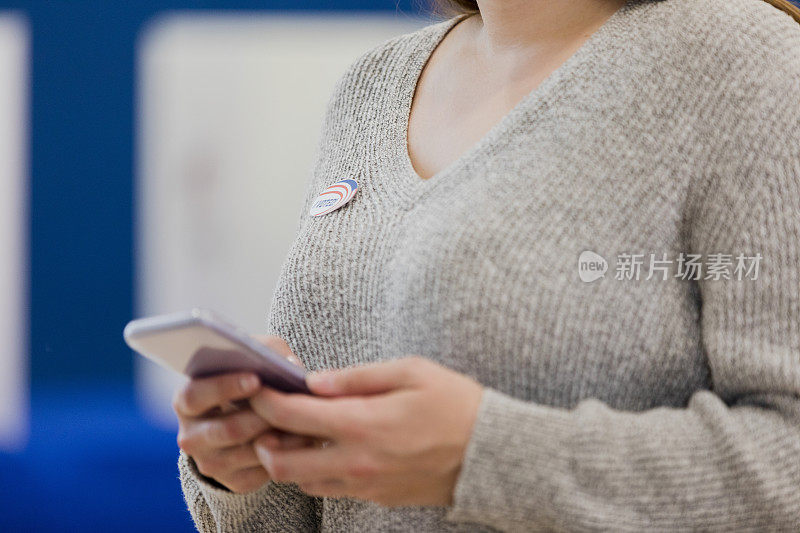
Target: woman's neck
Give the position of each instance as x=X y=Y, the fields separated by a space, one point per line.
x=511 y=26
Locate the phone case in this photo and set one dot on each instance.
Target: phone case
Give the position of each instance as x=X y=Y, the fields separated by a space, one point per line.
x=199 y=343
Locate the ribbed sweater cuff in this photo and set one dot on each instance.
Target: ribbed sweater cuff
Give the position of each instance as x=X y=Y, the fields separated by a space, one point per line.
x=274 y=506
x=515 y=449
x=219 y=499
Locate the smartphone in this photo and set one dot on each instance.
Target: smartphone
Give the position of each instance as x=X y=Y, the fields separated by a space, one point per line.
x=198 y=343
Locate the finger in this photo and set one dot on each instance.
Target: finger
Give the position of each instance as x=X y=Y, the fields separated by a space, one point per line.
x=301 y=465
x=373 y=378
x=300 y=413
x=220 y=432
x=247 y=480
x=228 y=407
x=238 y=457
x=288 y=441
x=223 y=462
x=279 y=345
x=200 y=395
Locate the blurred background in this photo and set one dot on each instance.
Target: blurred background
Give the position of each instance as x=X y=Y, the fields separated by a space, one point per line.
x=153 y=157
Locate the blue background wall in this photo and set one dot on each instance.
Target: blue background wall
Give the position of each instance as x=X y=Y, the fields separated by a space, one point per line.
x=83 y=120
x=92 y=462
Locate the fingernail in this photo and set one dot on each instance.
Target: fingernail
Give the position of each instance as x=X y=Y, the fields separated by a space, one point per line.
x=249 y=383
x=263 y=454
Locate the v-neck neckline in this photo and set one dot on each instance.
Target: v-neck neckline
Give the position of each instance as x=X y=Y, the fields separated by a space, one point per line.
x=411 y=185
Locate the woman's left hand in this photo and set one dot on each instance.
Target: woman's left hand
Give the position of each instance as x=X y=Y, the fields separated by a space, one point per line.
x=394 y=432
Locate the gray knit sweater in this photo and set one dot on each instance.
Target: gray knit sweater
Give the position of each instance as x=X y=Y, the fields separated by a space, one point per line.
x=622 y=404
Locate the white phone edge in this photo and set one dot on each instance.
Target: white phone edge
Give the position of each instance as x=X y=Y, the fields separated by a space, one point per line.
x=207 y=318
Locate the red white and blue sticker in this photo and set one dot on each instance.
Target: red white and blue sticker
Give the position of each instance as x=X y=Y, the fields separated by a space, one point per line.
x=334 y=197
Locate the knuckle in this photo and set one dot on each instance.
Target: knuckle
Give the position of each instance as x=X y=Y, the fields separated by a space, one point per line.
x=185 y=442
x=227 y=430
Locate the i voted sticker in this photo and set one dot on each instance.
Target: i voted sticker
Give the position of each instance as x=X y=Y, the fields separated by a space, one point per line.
x=334 y=197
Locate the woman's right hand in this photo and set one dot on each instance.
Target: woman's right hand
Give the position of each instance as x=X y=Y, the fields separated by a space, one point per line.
x=217 y=426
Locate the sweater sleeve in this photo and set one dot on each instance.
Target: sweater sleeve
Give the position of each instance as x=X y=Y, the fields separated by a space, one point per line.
x=273 y=507
x=729 y=460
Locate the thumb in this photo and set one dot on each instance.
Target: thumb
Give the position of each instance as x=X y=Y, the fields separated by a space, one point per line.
x=279 y=345
x=374 y=378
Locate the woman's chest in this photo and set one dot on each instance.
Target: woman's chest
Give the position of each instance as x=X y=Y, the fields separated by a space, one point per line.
x=482 y=274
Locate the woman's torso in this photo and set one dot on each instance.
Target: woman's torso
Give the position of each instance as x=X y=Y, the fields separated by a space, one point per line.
x=477 y=268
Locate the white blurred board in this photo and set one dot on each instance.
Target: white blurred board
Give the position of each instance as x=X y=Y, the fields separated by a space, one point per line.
x=14 y=399
x=230 y=109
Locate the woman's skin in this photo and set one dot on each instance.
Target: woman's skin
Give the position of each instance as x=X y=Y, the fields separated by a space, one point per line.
x=394 y=432
x=486 y=65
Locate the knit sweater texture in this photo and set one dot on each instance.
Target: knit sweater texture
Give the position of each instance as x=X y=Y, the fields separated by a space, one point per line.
x=621 y=404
